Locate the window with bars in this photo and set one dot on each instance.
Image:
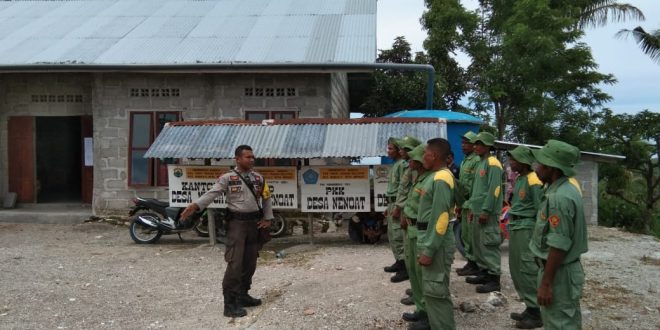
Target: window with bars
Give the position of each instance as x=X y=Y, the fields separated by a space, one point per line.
x=144 y=128
x=154 y=92
x=51 y=98
x=270 y=92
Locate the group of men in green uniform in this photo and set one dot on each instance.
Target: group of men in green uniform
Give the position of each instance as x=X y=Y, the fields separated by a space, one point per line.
x=546 y=223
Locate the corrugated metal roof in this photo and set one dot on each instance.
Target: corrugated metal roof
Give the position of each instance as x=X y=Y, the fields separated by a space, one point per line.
x=187 y=31
x=308 y=138
x=450 y=116
x=595 y=156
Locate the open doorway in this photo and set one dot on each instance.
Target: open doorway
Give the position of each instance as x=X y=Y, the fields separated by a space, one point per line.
x=58 y=153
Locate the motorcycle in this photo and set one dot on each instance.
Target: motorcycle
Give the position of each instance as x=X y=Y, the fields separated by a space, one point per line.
x=151 y=218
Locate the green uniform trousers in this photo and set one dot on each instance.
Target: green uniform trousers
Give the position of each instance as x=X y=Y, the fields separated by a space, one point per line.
x=522 y=266
x=435 y=285
x=414 y=268
x=466 y=235
x=564 y=313
x=486 y=240
x=394 y=233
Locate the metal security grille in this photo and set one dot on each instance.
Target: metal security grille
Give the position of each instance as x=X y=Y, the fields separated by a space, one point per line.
x=50 y=98
x=154 y=92
x=270 y=92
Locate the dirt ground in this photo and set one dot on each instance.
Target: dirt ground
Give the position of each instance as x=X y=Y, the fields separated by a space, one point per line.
x=92 y=276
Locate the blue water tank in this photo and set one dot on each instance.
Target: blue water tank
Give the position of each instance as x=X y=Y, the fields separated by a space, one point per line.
x=458 y=124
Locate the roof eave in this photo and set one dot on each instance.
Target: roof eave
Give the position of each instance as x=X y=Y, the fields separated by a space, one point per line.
x=594 y=156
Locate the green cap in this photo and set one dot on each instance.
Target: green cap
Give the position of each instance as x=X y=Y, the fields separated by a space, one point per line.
x=485 y=138
x=522 y=154
x=560 y=155
x=396 y=142
x=469 y=136
x=409 y=142
x=417 y=153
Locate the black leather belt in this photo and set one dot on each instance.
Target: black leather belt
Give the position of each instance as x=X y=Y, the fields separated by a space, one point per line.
x=422 y=225
x=248 y=216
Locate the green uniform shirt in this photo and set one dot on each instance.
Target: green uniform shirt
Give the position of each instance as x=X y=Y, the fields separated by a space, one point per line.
x=435 y=205
x=412 y=203
x=395 y=177
x=487 y=193
x=466 y=176
x=527 y=194
x=560 y=223
x=406 y=182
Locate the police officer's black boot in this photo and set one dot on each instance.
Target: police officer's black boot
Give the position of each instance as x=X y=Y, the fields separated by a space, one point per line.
x=408 y=301
x=470 y=268
x=401 y=275
x=245 y=300
x=493 y=284
x=480 y=278
x=232 y=308
x=395 y=267
x=409 y=292
x=532 y=319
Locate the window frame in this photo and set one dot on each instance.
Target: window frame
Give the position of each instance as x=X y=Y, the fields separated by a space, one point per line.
x=154 y=180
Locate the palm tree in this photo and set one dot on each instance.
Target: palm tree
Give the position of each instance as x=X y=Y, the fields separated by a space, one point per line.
x=597 y=13
x=649 y=42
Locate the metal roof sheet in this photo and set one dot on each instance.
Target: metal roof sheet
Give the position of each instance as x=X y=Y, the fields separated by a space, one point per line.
x=187 y=32
x=450 y=116
x=587 y=155
x=307 y=139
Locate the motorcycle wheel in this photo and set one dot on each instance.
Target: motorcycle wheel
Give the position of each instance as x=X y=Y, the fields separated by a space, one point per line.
x=278 y=226
x=142 y=234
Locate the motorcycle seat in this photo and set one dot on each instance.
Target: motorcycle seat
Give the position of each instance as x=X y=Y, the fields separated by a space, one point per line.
x=157 y=203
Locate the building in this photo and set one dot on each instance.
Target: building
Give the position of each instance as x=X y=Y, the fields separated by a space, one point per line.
x=86 y=86
x=587 y=176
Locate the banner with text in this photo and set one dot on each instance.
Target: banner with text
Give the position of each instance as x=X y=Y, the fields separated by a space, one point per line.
x=335 y=189
x=188 y=183
x=381 y=175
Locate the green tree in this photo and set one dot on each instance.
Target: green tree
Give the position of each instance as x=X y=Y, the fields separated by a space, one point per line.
x=636 y=182
x=395 y=90
x=649 y=42
x=597 y=13
x=527 y=67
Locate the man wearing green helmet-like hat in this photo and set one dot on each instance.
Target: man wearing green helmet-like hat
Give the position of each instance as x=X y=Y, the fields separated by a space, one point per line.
x=465 y=180
x=525 y=200
x=394 y=231
x=559 y=237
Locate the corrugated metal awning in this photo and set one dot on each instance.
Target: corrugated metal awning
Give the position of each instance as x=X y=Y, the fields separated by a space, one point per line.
x=586 y=155
x=296 y=138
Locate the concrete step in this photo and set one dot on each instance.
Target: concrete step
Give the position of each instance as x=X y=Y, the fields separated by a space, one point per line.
x=54 y=213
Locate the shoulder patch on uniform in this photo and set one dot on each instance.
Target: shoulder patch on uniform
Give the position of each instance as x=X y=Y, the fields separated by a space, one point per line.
x=442 y=223
x=576 y=184
x=553 y=220
x=493 y=161
x=533 y=179
x=265 y=192
x=496 y=193
x=446 y=176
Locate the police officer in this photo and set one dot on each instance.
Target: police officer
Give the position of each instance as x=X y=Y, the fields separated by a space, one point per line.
x=410 y=214
x=247 y=212
x=435 y=240
x=525 y=200
x=486 y=206
x=407 y=143
x=465 y=180
x=394 y=231
x=559 y=238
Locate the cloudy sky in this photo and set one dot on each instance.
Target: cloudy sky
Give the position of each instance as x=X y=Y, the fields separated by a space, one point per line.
x=638 y=86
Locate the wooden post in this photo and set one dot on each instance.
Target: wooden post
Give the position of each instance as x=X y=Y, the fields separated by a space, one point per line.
x=211 y=225
x=311 y=228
